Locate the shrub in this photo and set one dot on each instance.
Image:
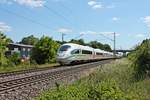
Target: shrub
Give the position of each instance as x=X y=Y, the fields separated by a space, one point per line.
x=141 y=60
x=106 y=90
x=14 y=59
x=45 y=50
x=3 y=43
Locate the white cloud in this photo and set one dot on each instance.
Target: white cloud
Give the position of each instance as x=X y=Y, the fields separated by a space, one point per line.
x=4 y=27
x=117 y=34
x=94 y=4
x=97 y=6
x=147 y=20
x=115 y=18
x=109 y=33
x=64 y=30
x=31 y=3
x=91 y=3
x=140 y=35
x=89 y=33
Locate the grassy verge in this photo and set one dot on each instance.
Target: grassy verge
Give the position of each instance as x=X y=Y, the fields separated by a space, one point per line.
x=110 y=82
x=24 y=67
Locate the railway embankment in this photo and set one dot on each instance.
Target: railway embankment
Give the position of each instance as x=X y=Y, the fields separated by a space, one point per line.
x=114 y=81
x=28 y=85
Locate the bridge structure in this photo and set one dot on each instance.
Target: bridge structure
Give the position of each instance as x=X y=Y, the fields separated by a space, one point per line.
x=123 y=51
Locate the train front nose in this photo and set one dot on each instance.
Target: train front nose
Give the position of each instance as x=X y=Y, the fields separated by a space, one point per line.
x=62 y=58
x=62 y=54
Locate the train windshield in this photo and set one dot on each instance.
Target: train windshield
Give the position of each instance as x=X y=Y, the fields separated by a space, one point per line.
x=64 y=48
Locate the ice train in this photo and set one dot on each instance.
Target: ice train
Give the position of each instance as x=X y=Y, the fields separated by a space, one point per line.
x=73 y=53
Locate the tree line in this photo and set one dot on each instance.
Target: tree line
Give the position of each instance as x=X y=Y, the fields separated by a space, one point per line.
x=31 y=40
x=44 y=51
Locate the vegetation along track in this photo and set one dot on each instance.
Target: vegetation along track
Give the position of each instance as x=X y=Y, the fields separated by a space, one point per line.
x=11 y=85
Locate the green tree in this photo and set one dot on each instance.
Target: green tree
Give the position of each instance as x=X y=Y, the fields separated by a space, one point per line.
x=45 y=50
x=106 y=47
x=93 y=44
x=30 y=40
x=60 y=42
x=80 y=41
x=96 y=44
x=99 y=45
x=3 y=48
x=141 y=59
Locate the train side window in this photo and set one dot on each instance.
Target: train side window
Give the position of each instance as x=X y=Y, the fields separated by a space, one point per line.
x=99 y=53
x=106 y=54
x=86 y=52
x=77 y=51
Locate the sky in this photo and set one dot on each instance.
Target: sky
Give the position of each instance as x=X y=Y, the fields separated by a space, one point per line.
x=91 y=20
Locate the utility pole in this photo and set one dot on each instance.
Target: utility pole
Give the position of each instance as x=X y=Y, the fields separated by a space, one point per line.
x=63 y=37
x=114 y=44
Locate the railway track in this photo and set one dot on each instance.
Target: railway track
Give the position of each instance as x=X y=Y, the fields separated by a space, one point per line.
x=56 y=75
x=6 y=74
x=14 y=73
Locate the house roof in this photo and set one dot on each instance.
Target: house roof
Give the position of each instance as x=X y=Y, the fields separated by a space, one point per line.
x=21 y=45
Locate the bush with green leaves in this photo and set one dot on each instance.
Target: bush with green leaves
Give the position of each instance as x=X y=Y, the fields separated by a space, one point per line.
x=141 y=60
x=106 y=90
x=3 y=48
x=45 y=50
x=14 y=59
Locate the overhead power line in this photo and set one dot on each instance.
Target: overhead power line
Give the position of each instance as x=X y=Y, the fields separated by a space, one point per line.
x=25 y=18
x=57 y=14
x=78 y=36
x=114 y=41
x=106 y=37
x=65 y=7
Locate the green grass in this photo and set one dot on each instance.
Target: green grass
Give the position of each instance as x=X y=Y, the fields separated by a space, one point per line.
x=113 y=81
x=24 y=67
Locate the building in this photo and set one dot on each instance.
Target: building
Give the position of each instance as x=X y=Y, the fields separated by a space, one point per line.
x=23 y=50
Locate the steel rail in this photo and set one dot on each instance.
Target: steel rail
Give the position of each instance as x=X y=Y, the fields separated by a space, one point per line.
x=14 y=73
x=56 y=75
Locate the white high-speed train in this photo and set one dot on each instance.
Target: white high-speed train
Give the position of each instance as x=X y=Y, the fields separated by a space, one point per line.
x=73 y=53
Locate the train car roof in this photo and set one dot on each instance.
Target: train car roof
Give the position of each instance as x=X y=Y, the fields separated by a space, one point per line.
x=99 y=50
x=86 y=48
x=79 y=46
